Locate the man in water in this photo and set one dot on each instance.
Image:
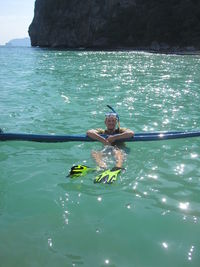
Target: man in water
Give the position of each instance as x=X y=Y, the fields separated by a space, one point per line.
x=114 y=134
x=112 y=147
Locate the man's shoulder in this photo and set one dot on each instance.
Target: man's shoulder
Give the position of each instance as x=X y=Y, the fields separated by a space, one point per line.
x=122 y=130
x=100 y=131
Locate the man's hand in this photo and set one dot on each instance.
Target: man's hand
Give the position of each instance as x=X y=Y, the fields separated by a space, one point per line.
x=127 y=134
x=106 y=142
x=94 y=135
x=111 y=139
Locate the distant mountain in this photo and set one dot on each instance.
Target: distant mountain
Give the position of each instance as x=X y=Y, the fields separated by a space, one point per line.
x=19 y=42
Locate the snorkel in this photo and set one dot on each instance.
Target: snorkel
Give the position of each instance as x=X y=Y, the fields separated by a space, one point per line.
x=116 y=114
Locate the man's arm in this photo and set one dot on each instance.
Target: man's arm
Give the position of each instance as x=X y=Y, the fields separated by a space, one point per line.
x=126 y=134
x=96 y=136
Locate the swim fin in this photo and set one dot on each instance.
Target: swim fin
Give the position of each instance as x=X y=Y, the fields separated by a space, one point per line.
x=79 y=170
x=108 y=176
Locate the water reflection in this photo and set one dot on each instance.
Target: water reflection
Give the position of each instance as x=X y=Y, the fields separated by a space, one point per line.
x=165 y=245
x=128 y=206
x=66 y=213
x=183 y=206
x=179 y=169
x=50 y=243
x=190 y=253
x=193 y=155
x=99 y=199
x=107 y=261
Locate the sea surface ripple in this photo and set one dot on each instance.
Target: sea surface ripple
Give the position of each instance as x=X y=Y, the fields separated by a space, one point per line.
x=151 y=215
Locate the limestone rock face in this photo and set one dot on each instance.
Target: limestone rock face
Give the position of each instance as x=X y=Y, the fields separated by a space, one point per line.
x=154 y=24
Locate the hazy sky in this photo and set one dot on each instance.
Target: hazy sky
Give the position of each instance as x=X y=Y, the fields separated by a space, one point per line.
x=15 y=18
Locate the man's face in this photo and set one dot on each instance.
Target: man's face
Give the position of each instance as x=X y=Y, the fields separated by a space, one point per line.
x=111 y=122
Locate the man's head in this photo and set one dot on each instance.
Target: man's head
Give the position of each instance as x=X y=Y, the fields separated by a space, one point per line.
x=111 y=121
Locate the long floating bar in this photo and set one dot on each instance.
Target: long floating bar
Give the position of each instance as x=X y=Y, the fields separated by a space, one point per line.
x=48 y=138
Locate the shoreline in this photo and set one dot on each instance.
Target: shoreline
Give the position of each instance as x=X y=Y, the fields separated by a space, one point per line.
x=180 y=51
x=157 y=49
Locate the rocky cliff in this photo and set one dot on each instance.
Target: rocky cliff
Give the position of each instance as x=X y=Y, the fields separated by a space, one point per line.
x=111 y=24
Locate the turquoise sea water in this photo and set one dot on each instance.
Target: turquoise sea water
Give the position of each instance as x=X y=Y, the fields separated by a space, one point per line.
x=151 y=215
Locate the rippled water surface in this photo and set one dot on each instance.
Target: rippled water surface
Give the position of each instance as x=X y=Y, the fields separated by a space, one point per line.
x=151 y=215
